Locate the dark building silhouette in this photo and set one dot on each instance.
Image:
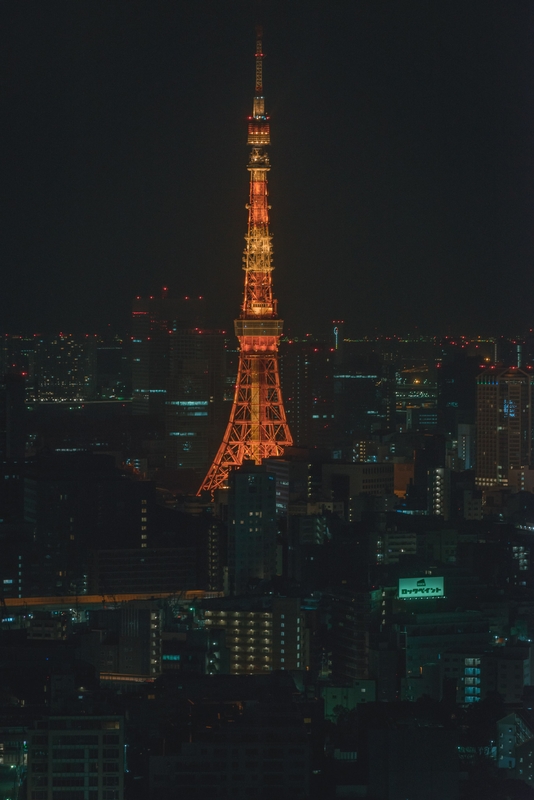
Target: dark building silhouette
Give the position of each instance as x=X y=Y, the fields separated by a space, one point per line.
x=456 y=382
x=15 y=415
x=251 y=526
x=78 y=502
x=195 y=411
x=306 y=373
x=94 y=746
x=154 y=321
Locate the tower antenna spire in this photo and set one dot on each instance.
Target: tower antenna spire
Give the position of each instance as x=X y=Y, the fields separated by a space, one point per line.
x=259 y=60
x=258 y=427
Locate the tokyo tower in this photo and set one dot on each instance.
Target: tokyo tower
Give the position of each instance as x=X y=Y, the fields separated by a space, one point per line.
x=257 y=428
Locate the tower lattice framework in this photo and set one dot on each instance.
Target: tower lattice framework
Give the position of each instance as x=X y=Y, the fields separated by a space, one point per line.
x=257 y=428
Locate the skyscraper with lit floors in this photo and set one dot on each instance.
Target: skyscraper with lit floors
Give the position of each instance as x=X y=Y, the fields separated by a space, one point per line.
x=504 y=424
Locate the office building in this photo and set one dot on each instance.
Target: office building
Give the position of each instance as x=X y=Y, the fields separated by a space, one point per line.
x=195 y=410
x=14 y=415
x=429 y=636
x=143 y=570
x=355 y=616
x=155 y=320
x=389 y=547
x=264 y=754
x=77 y=502
x=306 y=373
x=64 y=367
x=345 y=483
x=358 y=406
x=456 y=385
x=127 y=643
x=251 y=527
x=466 y=445
x=504 y=424
x=76 y=758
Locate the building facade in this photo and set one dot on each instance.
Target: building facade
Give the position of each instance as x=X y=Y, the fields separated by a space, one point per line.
x=261 y=634
x=76 y=758
x=504 y=424
x=251 y=527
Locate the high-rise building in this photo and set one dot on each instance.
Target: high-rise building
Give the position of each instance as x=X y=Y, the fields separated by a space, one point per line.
x=439 y=492
x=17 y=353
x=154 y=321
x=456 y=385
x=178 y=376
x=194 y=404
x=357 y=402
x=504 y=424
x=251 y=526
x=355 y=615
x=467 y=444
x=113 y=368
x=77 y=502
x=64 y=367
x=14 y=390
x=306 y=373
x=257 y=428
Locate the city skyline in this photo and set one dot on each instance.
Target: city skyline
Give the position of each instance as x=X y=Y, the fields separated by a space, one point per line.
x=285 y=561
x=403 y=179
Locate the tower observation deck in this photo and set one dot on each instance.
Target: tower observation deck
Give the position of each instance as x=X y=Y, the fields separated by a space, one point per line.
x=257 y=428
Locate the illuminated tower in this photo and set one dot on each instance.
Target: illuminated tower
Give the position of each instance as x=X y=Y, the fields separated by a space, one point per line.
x=257 y=428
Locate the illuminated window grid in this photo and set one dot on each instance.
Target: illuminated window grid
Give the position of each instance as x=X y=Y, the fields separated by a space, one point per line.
x=249 y=638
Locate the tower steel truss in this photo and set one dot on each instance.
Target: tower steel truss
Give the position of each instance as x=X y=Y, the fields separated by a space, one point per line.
x=257 y=428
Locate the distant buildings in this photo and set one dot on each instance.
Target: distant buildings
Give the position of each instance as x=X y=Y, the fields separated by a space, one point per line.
x=179 y=377
x=154 y=321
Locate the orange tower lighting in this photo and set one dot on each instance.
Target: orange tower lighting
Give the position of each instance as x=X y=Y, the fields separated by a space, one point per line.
x=257 y=428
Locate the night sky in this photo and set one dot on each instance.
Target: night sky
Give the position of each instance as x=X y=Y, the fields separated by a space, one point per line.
x=402 y=182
